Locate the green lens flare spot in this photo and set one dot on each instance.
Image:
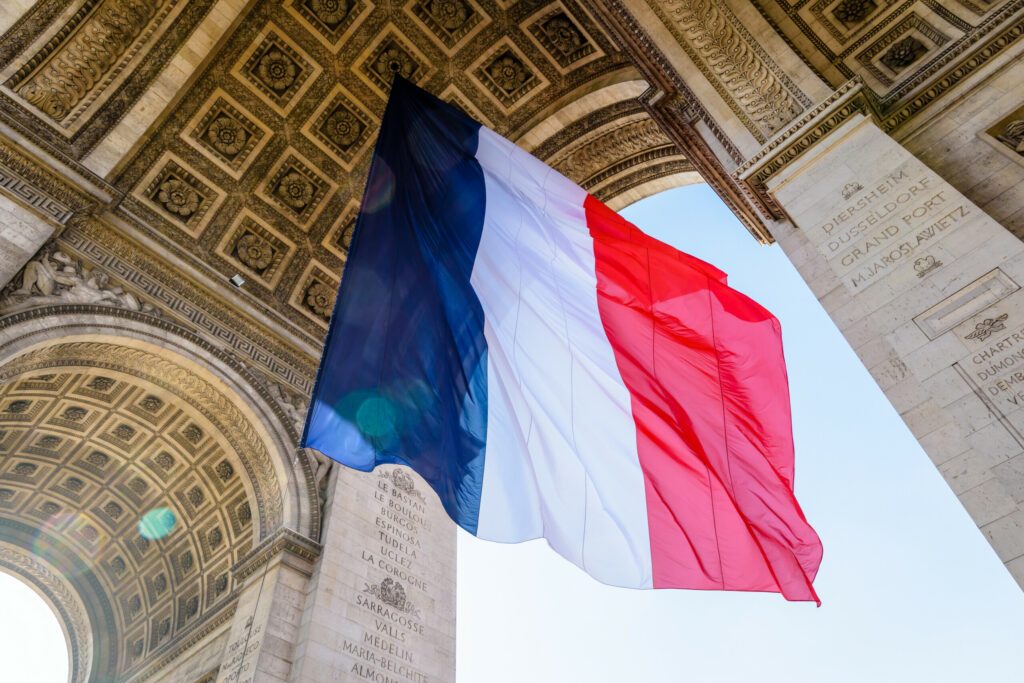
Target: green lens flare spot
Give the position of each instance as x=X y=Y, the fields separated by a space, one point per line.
x=157 y=523
x=376 y=417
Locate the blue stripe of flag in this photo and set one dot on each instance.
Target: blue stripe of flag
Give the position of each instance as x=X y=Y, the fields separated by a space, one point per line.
x=403 y=378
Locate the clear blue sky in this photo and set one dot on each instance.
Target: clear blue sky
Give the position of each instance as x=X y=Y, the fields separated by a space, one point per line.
x=911 y=590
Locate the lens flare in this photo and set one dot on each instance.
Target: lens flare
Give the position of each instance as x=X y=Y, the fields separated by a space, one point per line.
x=382 y=189
x=69 y=532
x=376 y=417
x=157 y=523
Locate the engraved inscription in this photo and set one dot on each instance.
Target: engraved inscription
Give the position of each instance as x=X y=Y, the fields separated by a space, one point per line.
x=397 y=603
x=886 y=225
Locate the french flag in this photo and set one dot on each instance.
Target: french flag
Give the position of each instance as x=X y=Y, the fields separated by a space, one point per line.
x=553 y=372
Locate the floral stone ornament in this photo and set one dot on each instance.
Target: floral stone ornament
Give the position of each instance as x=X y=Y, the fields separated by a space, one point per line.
x=178 y=197
x=277 y=70
x=903 y=53
x=227 y=136
x=563 y=34
x=449 y=14
x=342 y=128
x=394 y=60
x=852 y=12
x=295 y=191
x=508 y=73
x=254 y=252
x=320 y=299
x=330 y=12
x=507 y=77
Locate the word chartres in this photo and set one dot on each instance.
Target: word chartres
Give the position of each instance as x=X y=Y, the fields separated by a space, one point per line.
x=887 y=226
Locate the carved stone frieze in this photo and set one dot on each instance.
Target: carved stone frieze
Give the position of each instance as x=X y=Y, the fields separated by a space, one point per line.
x=29 y=182
x=195 y=306
x=743 y=74
x=52 y=278
x=75 y=66
x=589 y=158
x=853 y=98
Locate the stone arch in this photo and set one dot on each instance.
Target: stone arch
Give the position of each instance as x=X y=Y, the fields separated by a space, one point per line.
x=275 y=421
x=601 y=136
x=106 y=415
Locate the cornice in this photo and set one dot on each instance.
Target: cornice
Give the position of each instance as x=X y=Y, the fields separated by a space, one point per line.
x=851 y=98
x=900 y=107
x=28 y=181
x=292 y=544
x=677 y=110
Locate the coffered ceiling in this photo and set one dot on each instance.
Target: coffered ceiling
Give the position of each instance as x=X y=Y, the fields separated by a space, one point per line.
x=258 y=166
x=88 y=447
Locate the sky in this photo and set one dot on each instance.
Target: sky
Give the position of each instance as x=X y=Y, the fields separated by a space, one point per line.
x=32 y=644
x=911 y=590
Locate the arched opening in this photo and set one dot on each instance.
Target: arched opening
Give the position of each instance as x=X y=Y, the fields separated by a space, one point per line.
x=141 y=478
x=31 y=635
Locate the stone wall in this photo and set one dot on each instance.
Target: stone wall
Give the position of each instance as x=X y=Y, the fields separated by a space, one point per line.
x=924 y=285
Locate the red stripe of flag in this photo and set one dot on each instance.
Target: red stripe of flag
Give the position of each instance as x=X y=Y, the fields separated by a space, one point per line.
x=705 y=370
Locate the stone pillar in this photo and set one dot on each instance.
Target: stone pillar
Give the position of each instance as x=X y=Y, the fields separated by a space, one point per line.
x=265 y=627
x=927 y=289
x=381 y=605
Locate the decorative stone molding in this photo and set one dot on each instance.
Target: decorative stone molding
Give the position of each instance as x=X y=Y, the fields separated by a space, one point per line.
x=678 y=112
x=29 y=182
x=750 y=207
x=1001 y=30
x=77 y=63
x=756 y=89
x=114 y=91
x=195 y=305
x=54 y=278
x=852 y=98
x=301 y=552
x=621 y=142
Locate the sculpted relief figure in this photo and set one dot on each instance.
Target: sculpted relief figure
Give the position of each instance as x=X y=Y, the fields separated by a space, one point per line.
x=1013 y=136
x=53 y=277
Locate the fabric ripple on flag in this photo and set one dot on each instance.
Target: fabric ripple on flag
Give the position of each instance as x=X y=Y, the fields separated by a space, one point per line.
x=553 y=372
